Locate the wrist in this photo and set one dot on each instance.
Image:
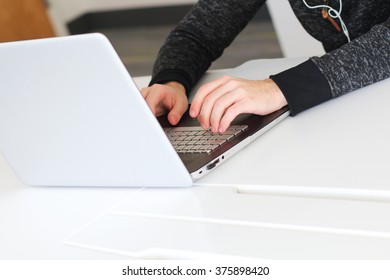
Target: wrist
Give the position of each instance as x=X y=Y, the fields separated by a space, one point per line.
x=176 y=85
x=278 y=97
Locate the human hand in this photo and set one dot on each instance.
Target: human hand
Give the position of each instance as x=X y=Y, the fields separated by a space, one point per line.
x=216 y=104
x=167 y=98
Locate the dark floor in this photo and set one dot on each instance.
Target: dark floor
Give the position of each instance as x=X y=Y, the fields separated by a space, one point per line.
x=138 y=47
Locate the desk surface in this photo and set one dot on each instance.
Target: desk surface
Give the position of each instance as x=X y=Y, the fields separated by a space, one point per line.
x=315 y=186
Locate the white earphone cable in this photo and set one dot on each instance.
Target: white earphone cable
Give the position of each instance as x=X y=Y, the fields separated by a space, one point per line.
x=332 y=13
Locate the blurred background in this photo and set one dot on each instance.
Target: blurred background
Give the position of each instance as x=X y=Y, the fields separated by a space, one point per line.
x=137 y=28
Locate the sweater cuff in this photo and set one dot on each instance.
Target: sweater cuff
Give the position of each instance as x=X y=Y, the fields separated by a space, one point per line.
x=173 y=76
x=303 y=86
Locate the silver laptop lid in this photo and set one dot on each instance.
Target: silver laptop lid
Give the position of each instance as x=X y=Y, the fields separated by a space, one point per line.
x=70 y=115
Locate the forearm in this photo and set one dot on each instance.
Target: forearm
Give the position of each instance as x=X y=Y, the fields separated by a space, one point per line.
x=200 y=38
x=362 y=62
x=359 y=63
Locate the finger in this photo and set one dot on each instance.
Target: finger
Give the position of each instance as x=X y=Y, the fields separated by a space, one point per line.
x=145 y=92
x=220 y=107
x=231 y=113
x=154 y=99
x=209 y=103
x=203 y=92
x=177 y=111
x=153 y=107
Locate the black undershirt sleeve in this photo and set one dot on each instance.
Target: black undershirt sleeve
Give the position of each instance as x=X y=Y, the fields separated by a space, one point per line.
x=303 y=86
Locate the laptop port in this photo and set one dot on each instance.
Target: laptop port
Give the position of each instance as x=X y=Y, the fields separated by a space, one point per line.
x=212 y=165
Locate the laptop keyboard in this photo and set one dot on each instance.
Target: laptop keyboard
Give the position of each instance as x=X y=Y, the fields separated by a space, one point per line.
x=194 y=139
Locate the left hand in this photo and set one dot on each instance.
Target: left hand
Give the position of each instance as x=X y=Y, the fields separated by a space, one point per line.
x=218 y=103
x=168 y=98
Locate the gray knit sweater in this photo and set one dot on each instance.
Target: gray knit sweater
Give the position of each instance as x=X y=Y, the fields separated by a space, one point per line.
x=211 y=26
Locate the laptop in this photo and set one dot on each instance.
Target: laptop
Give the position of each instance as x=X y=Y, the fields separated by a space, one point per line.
x=71 y=115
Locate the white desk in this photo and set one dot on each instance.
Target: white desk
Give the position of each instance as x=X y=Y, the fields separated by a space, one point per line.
x=315 y=186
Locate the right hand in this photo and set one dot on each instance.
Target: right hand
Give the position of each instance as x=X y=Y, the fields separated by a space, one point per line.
x=218 y=103
x=167 y=98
